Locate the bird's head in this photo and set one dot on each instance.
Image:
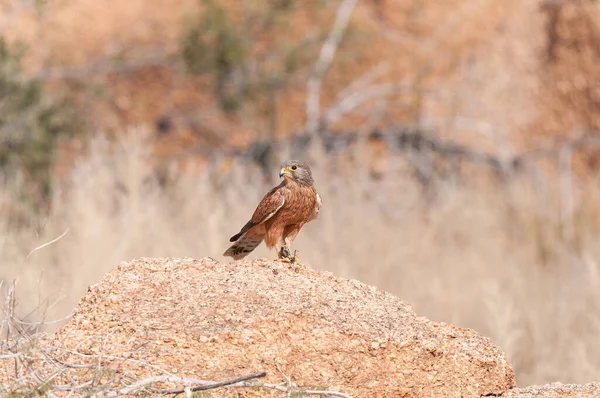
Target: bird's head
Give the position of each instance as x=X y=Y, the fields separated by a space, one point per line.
x=297 y=172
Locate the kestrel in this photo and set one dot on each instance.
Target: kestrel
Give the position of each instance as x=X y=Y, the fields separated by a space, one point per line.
x=280 y=214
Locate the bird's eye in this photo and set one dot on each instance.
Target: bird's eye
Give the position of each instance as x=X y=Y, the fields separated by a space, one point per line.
x=294 y=167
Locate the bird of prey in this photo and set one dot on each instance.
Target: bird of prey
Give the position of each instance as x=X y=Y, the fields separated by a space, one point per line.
x=280 y=214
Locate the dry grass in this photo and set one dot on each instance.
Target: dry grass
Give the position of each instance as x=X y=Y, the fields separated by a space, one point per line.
x=496 y=259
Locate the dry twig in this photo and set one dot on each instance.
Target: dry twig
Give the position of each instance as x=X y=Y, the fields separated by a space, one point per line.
x=240 y=382
x=211 y=386
x=47 y=244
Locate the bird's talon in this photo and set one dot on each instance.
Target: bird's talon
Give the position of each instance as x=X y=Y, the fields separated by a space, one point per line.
x=284 y=252
x=295 y=259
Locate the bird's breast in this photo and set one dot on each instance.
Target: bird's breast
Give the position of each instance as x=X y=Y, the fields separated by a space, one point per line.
x=299 y=204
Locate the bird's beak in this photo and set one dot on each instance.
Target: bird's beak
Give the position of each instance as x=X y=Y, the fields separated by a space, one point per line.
x=282 y=172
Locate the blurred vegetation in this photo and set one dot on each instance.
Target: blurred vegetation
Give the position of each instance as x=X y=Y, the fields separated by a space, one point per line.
x=216 y=45
x=31 y=123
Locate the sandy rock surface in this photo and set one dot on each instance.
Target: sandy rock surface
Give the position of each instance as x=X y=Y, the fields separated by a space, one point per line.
x=556 y=390
x=213 y=321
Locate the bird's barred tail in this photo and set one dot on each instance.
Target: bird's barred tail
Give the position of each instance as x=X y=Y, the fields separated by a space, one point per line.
x=243 y=246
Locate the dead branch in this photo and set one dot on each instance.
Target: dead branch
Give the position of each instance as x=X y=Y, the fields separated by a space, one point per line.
x=364 y=80
x=46 y=244
x=290 y=390
x=67 y=387
x=328 y=50
x=9 y=356
x=211 y=386
x=283 y=387
x=136 y=361
x=359 y=97
x=307 y=392
x=44 y=322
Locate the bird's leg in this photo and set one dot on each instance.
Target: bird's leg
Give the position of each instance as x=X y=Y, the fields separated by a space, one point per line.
x=292 y=259
x=283 y=253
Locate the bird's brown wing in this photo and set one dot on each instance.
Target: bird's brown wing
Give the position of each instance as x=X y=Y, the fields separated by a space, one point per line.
x=268 y=206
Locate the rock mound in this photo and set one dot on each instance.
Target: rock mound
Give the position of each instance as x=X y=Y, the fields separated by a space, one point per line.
x=556 y=390
x=207 y=320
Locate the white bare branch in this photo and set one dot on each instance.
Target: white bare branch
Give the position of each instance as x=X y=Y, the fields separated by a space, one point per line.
x=44 y=322
x=46 y=244
x=283 y=387
x=365 y=80
x=328 y=50
x=299 y=391
x=143 y=383
x=354 y=100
